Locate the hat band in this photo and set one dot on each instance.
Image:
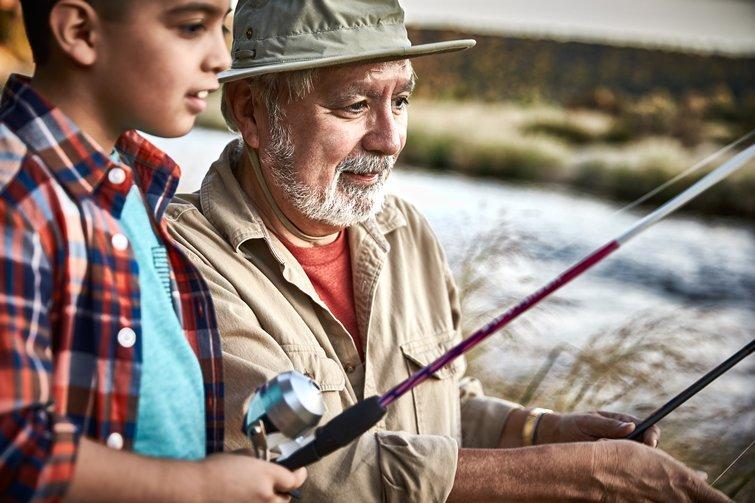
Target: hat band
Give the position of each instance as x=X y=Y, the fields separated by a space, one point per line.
x=325 y=44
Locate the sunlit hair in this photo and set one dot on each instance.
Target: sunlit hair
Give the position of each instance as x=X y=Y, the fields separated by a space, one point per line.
x=275 y=89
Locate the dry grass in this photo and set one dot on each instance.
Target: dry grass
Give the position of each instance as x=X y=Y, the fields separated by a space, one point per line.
x=576 y=148
x=634 y=366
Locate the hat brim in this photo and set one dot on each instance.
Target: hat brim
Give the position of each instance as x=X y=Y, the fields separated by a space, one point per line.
x=383 y=54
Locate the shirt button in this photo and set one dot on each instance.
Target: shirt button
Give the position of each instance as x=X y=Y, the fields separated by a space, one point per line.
x=349 y=368
x=119 y=241
x=126 y=337
x=116 y=176
x=115 y=441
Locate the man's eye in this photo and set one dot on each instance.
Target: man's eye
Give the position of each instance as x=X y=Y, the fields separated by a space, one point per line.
x=401 y=102
x=356 y=107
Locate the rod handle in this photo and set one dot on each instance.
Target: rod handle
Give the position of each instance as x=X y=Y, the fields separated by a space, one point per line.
x=337 y=433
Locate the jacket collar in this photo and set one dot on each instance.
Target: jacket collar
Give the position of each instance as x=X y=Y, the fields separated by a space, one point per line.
x=230 y=210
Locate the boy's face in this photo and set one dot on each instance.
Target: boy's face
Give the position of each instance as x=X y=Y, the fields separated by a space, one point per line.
x=156 y=65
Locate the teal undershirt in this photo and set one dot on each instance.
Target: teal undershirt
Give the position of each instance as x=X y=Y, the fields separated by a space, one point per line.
x=171 y=417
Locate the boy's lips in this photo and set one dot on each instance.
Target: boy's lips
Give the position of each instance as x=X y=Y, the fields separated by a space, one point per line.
x=198 y=100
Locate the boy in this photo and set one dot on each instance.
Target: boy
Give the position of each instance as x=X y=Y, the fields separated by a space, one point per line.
x=108 y=340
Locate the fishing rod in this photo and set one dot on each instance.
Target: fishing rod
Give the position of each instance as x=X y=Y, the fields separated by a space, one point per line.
x=357 y=419
x=691 y=391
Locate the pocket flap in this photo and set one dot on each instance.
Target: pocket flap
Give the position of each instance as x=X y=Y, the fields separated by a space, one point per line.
x=314 y=363
x=422 y=352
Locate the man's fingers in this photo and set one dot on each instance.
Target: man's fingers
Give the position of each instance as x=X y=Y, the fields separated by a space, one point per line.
x=652 y=436
x=605 y=427
x=705 y=493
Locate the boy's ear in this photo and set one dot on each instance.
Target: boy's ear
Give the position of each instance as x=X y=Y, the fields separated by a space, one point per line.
x=241 y=102
x=73 y=26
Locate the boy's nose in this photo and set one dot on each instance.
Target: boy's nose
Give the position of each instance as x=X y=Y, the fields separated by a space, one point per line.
x=219 y=58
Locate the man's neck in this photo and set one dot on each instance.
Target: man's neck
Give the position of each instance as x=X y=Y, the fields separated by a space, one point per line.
x=75 y=99
x=252 y=187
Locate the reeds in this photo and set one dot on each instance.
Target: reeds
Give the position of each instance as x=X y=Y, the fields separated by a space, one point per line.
x=634 y=365
x=622 y=155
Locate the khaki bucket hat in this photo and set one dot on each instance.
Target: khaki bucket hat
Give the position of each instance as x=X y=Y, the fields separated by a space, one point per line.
x=271 y=36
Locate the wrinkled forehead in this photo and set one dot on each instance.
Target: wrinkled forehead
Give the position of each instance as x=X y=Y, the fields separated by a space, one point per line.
x=375 y=76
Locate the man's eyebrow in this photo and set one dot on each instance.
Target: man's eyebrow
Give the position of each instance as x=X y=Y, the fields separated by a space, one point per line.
x=358 y=90
x=408 y=87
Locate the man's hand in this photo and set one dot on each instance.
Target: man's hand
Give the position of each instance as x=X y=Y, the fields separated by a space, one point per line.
x=588 y=426
x=615 y=470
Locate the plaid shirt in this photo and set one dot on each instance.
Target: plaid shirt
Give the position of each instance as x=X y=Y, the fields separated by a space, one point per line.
x=69 y=289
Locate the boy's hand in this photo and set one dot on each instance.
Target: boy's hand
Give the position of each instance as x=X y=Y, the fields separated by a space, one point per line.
x=239 y=477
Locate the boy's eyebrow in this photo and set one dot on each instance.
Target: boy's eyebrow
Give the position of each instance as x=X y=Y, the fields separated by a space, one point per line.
x=190 y=7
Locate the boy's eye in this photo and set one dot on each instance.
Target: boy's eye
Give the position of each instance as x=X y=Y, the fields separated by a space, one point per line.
x=192 y=29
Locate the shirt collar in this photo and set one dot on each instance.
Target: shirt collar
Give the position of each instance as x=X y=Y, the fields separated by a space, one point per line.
x=230 y=210
x=74 y=158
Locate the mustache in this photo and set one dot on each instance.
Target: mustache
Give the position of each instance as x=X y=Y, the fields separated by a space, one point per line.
x=366 y=164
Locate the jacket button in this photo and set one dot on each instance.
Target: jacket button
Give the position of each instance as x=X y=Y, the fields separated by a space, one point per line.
x=115 y=441
x=126 y=337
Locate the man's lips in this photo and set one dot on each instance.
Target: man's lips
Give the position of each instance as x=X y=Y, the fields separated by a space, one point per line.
x=364 y=177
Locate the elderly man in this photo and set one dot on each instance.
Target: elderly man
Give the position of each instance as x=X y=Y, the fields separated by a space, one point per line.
x=313 y=268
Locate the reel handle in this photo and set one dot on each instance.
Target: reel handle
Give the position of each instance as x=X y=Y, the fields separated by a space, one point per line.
x=337 y=433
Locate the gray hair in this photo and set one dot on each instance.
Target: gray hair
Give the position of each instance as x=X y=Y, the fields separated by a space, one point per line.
x=282 y=88
x=274 y=89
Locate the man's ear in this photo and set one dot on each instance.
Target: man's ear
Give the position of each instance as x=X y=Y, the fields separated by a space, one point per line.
x=73 y=25
x=240 y=103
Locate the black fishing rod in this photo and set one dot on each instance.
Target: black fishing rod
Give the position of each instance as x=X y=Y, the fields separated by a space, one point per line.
x=691 y=391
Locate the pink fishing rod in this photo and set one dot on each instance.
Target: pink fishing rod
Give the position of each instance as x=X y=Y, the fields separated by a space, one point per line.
x=359 y=418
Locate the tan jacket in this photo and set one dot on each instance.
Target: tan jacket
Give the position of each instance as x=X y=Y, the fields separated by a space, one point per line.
x=272 y=320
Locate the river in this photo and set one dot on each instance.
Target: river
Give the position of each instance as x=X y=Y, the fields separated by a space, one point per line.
x=697 y=273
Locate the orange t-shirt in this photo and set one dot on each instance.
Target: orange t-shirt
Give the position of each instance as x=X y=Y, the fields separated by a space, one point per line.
x=329 y=269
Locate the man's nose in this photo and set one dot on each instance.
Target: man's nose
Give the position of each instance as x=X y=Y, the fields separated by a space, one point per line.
x=385 y=133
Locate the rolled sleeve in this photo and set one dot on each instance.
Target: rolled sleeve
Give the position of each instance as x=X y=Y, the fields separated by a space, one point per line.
x=482 y=417
x=416 y=467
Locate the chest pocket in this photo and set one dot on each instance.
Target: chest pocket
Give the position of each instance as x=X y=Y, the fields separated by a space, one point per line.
x=436 y=401
x=312 y=361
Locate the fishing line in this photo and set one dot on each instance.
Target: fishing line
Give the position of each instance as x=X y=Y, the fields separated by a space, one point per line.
x=733 y=463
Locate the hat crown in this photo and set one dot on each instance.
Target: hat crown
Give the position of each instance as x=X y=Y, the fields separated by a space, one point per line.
x=277 y=31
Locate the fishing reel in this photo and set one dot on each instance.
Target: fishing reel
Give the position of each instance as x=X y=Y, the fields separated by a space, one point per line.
x=281 y=414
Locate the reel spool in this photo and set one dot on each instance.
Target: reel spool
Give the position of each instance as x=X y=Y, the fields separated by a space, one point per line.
x=281 y=412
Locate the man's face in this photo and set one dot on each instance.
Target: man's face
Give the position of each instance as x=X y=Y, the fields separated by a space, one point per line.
x=156 y=65
x=330 y=154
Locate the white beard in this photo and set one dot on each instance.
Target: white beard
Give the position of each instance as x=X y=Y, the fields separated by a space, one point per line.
x=341 y=204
